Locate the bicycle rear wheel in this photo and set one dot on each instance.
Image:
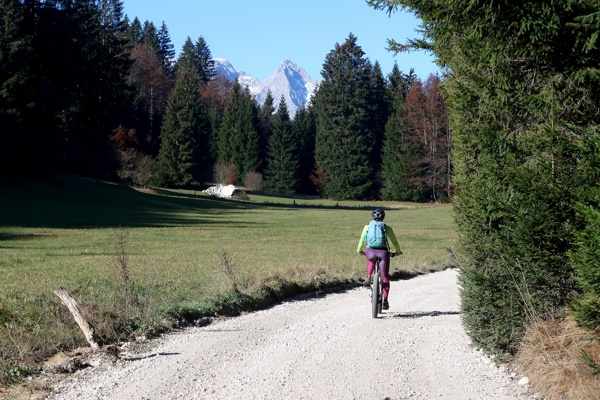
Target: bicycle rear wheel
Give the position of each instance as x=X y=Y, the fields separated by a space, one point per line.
x=375 y=297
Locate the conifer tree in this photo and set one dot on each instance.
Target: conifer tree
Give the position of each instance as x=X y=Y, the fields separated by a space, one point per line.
x=198 y=56
x=344 y=133
x=150 y=37
x=282 y=168
x=238 y=137
x=378 y=113
x=266 y=117
x=305 y=131
x=167 y=50
x=524 y=91
x=185 y=126
x=134 y=32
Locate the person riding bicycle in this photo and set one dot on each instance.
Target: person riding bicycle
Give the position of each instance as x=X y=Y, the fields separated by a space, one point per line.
x=381 y=251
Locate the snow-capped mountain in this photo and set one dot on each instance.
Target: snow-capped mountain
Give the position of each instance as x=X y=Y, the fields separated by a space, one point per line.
x=288 y=80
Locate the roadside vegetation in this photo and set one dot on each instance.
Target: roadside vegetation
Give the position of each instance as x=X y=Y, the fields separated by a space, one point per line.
x=139 y=263
x=523 y=89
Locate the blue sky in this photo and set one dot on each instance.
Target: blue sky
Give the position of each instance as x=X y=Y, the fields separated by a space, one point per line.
x=256 y=36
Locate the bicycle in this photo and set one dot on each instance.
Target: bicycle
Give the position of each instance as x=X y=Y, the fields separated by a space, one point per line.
x=377 y=289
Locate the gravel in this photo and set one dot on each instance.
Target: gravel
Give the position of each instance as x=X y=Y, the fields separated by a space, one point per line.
x=326 y=347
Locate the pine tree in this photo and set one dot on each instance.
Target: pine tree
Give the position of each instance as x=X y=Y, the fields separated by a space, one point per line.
x=185 y=125
x=344 y=133
x=282 y=168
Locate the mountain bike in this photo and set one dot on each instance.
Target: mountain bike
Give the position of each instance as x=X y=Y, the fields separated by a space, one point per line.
x=377 y=289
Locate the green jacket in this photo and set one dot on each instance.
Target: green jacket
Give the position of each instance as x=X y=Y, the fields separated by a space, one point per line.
x=389 y=233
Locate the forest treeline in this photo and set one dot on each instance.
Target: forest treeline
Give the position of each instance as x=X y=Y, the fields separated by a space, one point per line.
x=87 y=90
x=524 y=95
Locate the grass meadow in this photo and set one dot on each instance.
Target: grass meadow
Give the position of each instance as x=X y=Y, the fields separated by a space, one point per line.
x=138 y=262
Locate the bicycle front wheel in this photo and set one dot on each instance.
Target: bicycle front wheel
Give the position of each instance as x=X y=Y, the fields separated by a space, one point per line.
x=375 y=297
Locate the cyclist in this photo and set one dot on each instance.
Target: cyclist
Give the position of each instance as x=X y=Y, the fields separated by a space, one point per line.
x=382 y=252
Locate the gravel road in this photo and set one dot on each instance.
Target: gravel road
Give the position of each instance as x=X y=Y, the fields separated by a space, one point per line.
x=327 y=347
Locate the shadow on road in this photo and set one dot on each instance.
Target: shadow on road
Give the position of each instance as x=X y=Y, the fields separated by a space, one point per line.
x=420 y=314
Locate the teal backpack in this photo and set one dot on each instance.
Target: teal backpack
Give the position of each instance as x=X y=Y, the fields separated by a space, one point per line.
x=375 y=238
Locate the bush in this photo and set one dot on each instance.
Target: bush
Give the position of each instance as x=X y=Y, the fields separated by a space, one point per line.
x=137 y=167
x=254 y=181
x=586 y=259
x=225 y=174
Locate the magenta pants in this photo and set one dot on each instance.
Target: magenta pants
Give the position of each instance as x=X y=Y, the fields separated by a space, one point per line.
x=384 y=267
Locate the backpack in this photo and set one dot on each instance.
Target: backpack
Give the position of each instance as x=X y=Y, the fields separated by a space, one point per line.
x=375 y=238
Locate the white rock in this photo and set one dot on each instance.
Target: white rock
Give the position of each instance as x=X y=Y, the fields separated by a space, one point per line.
x=524 y=381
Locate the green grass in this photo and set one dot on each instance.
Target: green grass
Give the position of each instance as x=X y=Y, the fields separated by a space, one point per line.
x=65 y=233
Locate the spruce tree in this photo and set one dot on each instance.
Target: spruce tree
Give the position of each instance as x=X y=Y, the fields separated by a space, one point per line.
x=378 y=113
x=184 y=126
x=198 y=56
x=282 y=169
x=524 y=93
x=344 y=133
x=134 y=32
x=305 y=131
x=150 y=37
x=266 y=116
x=238 y=137
x=167 y=50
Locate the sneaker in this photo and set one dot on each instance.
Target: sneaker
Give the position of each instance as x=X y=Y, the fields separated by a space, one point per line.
x=368 y=282
x=386 y=305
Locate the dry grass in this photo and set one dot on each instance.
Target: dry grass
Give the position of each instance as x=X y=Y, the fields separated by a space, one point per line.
x=551 y=356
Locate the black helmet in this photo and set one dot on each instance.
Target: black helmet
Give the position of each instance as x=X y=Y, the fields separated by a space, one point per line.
x=378 y=213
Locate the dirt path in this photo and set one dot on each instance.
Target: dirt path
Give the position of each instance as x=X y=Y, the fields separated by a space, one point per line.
x=323 y=348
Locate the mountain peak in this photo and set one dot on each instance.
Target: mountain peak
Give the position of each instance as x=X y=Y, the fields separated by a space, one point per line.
x=289 y=80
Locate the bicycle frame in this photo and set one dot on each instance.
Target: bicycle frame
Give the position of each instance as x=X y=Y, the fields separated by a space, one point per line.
x=376 y=290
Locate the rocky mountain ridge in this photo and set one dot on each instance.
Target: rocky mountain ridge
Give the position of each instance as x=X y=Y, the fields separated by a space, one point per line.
x=289 y=80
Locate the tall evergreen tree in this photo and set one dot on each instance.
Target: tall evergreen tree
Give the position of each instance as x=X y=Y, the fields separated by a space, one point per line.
x=305 y=131
x=282 y=168
x=167 y=50
x=150 y=37
x=344 y=136
x=18 y=97
x=266 y=118
x=185 y=124
x=524 y=91
x=198 y=56
x=134 y=32
x=89 y=95
x=379 y=113
x=238 y=137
